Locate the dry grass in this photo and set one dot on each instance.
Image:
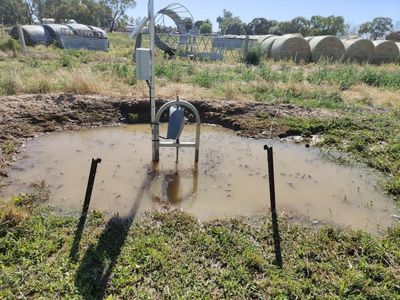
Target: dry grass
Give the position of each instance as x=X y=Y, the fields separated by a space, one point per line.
x=11 y=215
x=372 y=95
x=83 y=83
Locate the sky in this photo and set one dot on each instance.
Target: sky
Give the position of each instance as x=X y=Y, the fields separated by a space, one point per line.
x=355 y=12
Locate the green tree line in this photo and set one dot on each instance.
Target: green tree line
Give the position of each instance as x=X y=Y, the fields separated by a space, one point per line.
x=102 y=13
x=316 y=25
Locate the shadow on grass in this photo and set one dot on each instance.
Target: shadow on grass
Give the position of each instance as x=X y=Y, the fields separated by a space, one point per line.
x=93 y=274
x=277 y=240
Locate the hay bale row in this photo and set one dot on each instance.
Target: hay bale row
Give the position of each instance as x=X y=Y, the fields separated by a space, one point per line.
x=285 y=47
x=297 y=48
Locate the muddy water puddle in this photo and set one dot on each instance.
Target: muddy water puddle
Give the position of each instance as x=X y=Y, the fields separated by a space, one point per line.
x=230 y=179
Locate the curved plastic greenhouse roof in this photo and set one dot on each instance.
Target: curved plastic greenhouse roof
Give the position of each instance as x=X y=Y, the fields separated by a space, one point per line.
x=65 y=35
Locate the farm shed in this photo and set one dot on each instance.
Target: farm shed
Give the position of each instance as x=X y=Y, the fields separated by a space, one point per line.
x=329 y=47
x=289 y=46
x=358 y=50
x=75 y=36
x=232 y=41
x=385 y=52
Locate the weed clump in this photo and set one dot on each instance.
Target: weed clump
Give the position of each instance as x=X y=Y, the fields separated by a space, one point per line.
x=9 y=44
x=10 y=216
x=254 y=56
x=10 y=84
x=205 y=78
x=65 y=60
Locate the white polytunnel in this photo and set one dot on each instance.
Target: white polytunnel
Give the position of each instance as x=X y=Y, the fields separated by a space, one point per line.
x=68 y=36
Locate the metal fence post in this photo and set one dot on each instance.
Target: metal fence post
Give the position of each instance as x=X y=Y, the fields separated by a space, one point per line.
x=21 y=39
x=275 y=227
x=90 y=184
x=246 y=49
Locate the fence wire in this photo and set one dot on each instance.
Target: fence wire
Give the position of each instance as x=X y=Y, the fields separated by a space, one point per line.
x=202 y=47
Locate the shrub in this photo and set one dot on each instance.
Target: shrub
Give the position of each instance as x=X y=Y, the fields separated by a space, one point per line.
x=10 y=84
x=204 y=78
x=248 y=75
x=131 y=76
x=254 y=56
x=9 y=44
x=65 y=60
x=380 y=79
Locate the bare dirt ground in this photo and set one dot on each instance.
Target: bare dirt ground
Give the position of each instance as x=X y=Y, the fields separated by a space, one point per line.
x=27 y=116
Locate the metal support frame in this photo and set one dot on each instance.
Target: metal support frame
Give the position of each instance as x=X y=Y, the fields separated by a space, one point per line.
x=170 y=144
x=155 y=118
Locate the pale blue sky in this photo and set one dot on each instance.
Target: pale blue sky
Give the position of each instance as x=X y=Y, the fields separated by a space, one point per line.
x=354 y=11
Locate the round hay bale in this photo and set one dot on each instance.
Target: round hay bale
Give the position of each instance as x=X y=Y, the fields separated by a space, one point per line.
x=290 y=46
x=329 y=47
x=266 y=45
x=358 y=50
x=394 y=36
x=262 y=38
x=385 y=52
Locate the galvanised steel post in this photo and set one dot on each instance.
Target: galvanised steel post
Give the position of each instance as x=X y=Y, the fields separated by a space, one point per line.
x=152 y=80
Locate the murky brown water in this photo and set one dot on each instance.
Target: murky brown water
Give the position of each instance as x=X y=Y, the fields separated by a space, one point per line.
x=230 y=179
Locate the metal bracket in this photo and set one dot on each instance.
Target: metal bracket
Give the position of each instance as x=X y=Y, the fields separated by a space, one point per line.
x=156 y=133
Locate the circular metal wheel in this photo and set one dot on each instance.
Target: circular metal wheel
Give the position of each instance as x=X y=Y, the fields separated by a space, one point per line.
x=166 y=37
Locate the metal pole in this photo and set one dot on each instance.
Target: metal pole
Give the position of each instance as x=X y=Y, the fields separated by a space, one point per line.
x=138 y=44
x=21 y=39
x=271 y=177
x=275 y=228
x=246 y=49
x=82 y=220
x=90 y=184
x=152 y=79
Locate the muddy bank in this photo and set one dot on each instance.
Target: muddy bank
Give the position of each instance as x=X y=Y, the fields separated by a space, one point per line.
x=26 y=116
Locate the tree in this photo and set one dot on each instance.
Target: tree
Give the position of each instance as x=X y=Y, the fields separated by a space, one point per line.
x=118 y=10
x=12 y=12
x=377 y=28
x=29 y=10
x=300 y=25
x=282 y=28
x=228 y=23
x=224 y=20
x=92 y=12
x=260 y=26
x=188 y=23
x=332 y=25
x=349 y=30
x=236 y=27
x=205 y=27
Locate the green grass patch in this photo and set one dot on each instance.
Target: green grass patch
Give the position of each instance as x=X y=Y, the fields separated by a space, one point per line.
x=171 y=255
x=348 y=75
